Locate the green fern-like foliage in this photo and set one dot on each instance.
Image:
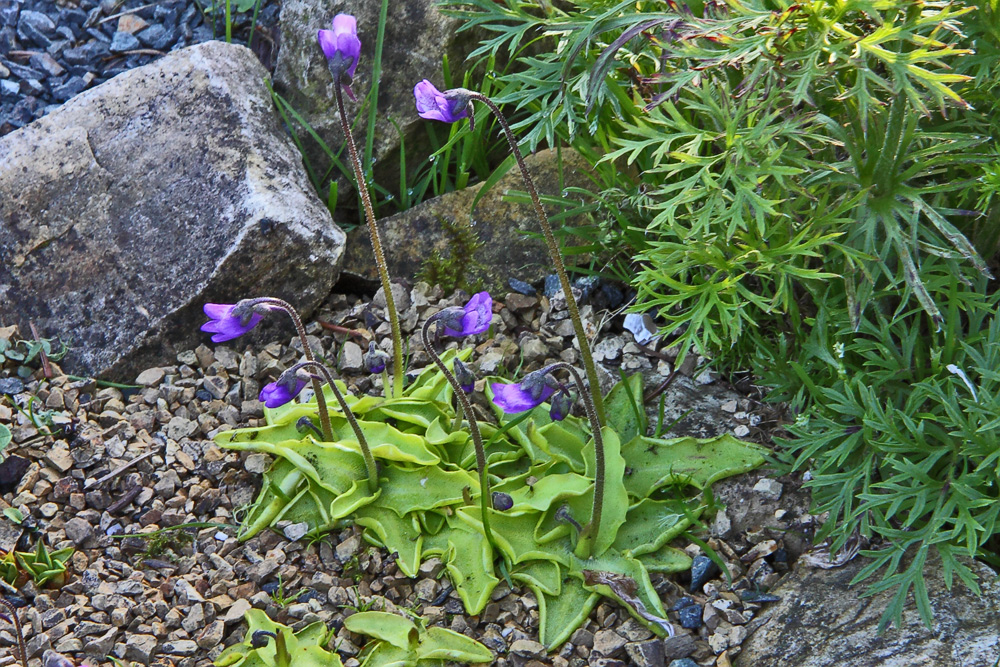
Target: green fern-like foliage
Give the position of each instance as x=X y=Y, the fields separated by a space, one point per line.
x=811 y=192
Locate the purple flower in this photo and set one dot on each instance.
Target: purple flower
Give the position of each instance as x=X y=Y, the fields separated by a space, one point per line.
x=531 y=392
x=283 y=390
x=230 y=321
x=342 y=49
x=432 y=104
x=471 y=319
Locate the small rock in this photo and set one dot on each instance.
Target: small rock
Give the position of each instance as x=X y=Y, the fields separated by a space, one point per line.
x=59 y=458
x=607 y=643
x=684 y=662
x=78 y=530
x=769 y=488
x=123 y=41
x=236 y=612
x=690 y=616
x=217 y=386
x=522 y=287
x=182 y=647
x=348 y=548
x=679 y=646
x=211 y=636
x=702 y=569
x=131 y=24
x=741 y=431
x=718 y=642
x=647 y=653
x=141 y=648
x=150 y=377
x=258 y=463
x=526 y=648
x=296 y=531
x=351 y=357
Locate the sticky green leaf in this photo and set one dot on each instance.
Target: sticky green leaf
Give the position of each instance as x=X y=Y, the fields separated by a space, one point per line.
x=656 y=462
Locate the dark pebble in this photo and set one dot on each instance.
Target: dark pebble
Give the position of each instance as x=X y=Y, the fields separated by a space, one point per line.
x=270 y=587
x=683 y=662
x=521 y=287
x=32 y=87
x=780 y=556
x=72 y=16
x=702 y=569
x=586 y=285
x=11 y=386
x=690 y=616
x=683 y=602
x=608 y=297
x=123 y=41
x=157 y=37
x=8 y=41
x=25 y=72
x=754 y=596
x=15 y=600
x=551 y=285
x=307 y=594
x=72 y=87
x=202 y=395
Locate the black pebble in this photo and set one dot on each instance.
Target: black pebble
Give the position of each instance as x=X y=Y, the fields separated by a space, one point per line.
x=702 y=569
x=270 y=587
x=11 y=386
x=690 y=616
x=521 y=287
x=754 y=596
x=551 y=285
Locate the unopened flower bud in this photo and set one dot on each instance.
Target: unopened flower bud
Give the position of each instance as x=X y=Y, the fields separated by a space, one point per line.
x=502 y=501
x=465 y=377
x=562 y=404
x=375 y=359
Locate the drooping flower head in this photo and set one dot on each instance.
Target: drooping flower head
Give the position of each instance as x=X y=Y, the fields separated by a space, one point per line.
x=342 y=49
x=283 y=390
x=466 y=379
x=471 y=319
x=448 y=107
x=529 y=393
x=374 y=359
x=229 y=321
x=562 y=404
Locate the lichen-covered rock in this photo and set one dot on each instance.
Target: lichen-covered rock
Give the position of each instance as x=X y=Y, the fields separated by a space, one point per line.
x=821 y=621
x=170 y=185
x=431 y=228
x=417 y=36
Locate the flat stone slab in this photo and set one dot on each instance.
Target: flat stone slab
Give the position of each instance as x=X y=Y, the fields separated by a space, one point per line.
x=429 y=228
x=821 y=621
x=173 y=184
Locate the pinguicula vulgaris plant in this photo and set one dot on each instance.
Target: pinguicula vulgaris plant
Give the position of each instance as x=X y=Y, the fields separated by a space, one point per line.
x=526 y=494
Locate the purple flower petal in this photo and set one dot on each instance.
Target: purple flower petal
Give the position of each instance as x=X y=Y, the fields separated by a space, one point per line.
x=275 y=394
x=477 y=318
x=224 y=324
x=433 y=105
x=514 y=398
x=341 y=44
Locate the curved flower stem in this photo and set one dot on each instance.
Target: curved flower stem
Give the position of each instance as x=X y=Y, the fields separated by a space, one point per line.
x=324 y=415
x=553 y=246
x=485 y=497
x=591 y=528
x=16 y=622
x=366 y=452
x=383 y=271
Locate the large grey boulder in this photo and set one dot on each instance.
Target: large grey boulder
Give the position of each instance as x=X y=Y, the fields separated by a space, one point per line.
x=430 y=228
x=417 y=36
x=170 y=185
x=821 y=621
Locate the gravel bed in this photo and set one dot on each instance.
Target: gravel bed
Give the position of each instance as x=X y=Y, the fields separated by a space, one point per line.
x=179 y=597
x=51 y=51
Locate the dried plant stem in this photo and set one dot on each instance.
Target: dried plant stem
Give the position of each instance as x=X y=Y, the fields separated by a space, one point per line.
x=556 y=256
x=324 y=415
x=21 y=648
x=592 y=528
x=383 y=271
x=366 y=452
x=485 y=497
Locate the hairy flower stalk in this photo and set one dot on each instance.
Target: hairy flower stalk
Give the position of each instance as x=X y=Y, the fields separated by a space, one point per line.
x=342 y=62
x=531 y=392
x=485 y=496
x=289 y=377
x=16 y=622
x=231 y=321
x=452 y=105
